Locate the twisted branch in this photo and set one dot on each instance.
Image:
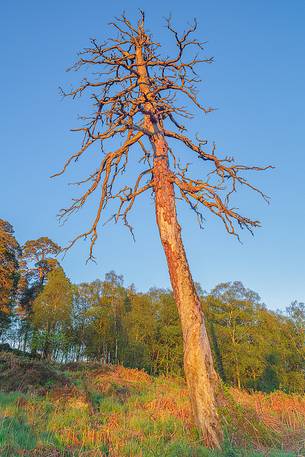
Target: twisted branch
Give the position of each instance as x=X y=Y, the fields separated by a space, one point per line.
x=119 y=109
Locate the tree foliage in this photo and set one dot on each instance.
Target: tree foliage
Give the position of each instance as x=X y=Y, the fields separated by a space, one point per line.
x=37 y=260
x=39 y=257
x=52 y=309
x=255 y=347
x=9 y=275
x=108 y=322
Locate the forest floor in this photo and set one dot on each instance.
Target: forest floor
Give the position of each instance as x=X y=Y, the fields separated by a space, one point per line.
x=89 y=410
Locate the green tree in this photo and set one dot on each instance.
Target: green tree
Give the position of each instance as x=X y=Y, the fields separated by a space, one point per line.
x=114 y=298
x=169 y=347
x=37 y=260
x=269 y=380
x=296 y=313
x=85 y=326
x=141 y=328
x=52 y=311
x=232 y=314
x=253 y=346
x=294 y=332
x=78 y=331
x=102 y=305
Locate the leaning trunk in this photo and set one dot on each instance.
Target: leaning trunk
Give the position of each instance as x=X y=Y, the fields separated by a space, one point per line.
x=201 y=377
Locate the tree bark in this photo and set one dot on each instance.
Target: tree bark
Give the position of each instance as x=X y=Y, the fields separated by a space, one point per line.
x=201 y=377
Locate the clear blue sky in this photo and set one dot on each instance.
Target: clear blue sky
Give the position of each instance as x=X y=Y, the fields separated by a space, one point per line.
x=258 y=85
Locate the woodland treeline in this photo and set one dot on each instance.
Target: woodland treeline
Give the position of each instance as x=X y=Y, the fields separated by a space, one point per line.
x=44 y=314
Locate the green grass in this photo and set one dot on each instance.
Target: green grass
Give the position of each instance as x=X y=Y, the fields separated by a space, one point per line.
x=121 y=417
x=15 y=433
x=156 y=438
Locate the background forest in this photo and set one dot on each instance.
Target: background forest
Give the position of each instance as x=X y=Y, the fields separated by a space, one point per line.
x=43 y=313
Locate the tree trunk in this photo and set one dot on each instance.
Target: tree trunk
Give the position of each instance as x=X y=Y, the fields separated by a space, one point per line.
x=46 y=354
x=25 y=339
x=237 y=370
x=217 y=352
x=202 y=380
x=237 y=373
x=201 y=377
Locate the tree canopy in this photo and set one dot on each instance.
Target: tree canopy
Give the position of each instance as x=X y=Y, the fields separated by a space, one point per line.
x=109 y=322
x=9 y=263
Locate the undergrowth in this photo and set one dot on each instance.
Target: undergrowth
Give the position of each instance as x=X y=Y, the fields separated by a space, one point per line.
x=118 y=412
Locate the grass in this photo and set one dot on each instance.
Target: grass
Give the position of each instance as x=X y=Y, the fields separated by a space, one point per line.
x=118 y=412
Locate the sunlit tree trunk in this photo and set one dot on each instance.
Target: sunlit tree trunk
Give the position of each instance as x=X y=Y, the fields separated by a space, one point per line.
x=200 y=374
x=201 y=377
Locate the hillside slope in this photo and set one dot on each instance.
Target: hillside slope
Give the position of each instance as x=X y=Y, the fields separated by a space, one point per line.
x=88 y=410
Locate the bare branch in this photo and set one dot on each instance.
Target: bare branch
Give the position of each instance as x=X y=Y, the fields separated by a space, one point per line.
x=132 y=99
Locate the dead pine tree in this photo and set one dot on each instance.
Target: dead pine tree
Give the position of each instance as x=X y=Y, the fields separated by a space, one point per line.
x=137 y=97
